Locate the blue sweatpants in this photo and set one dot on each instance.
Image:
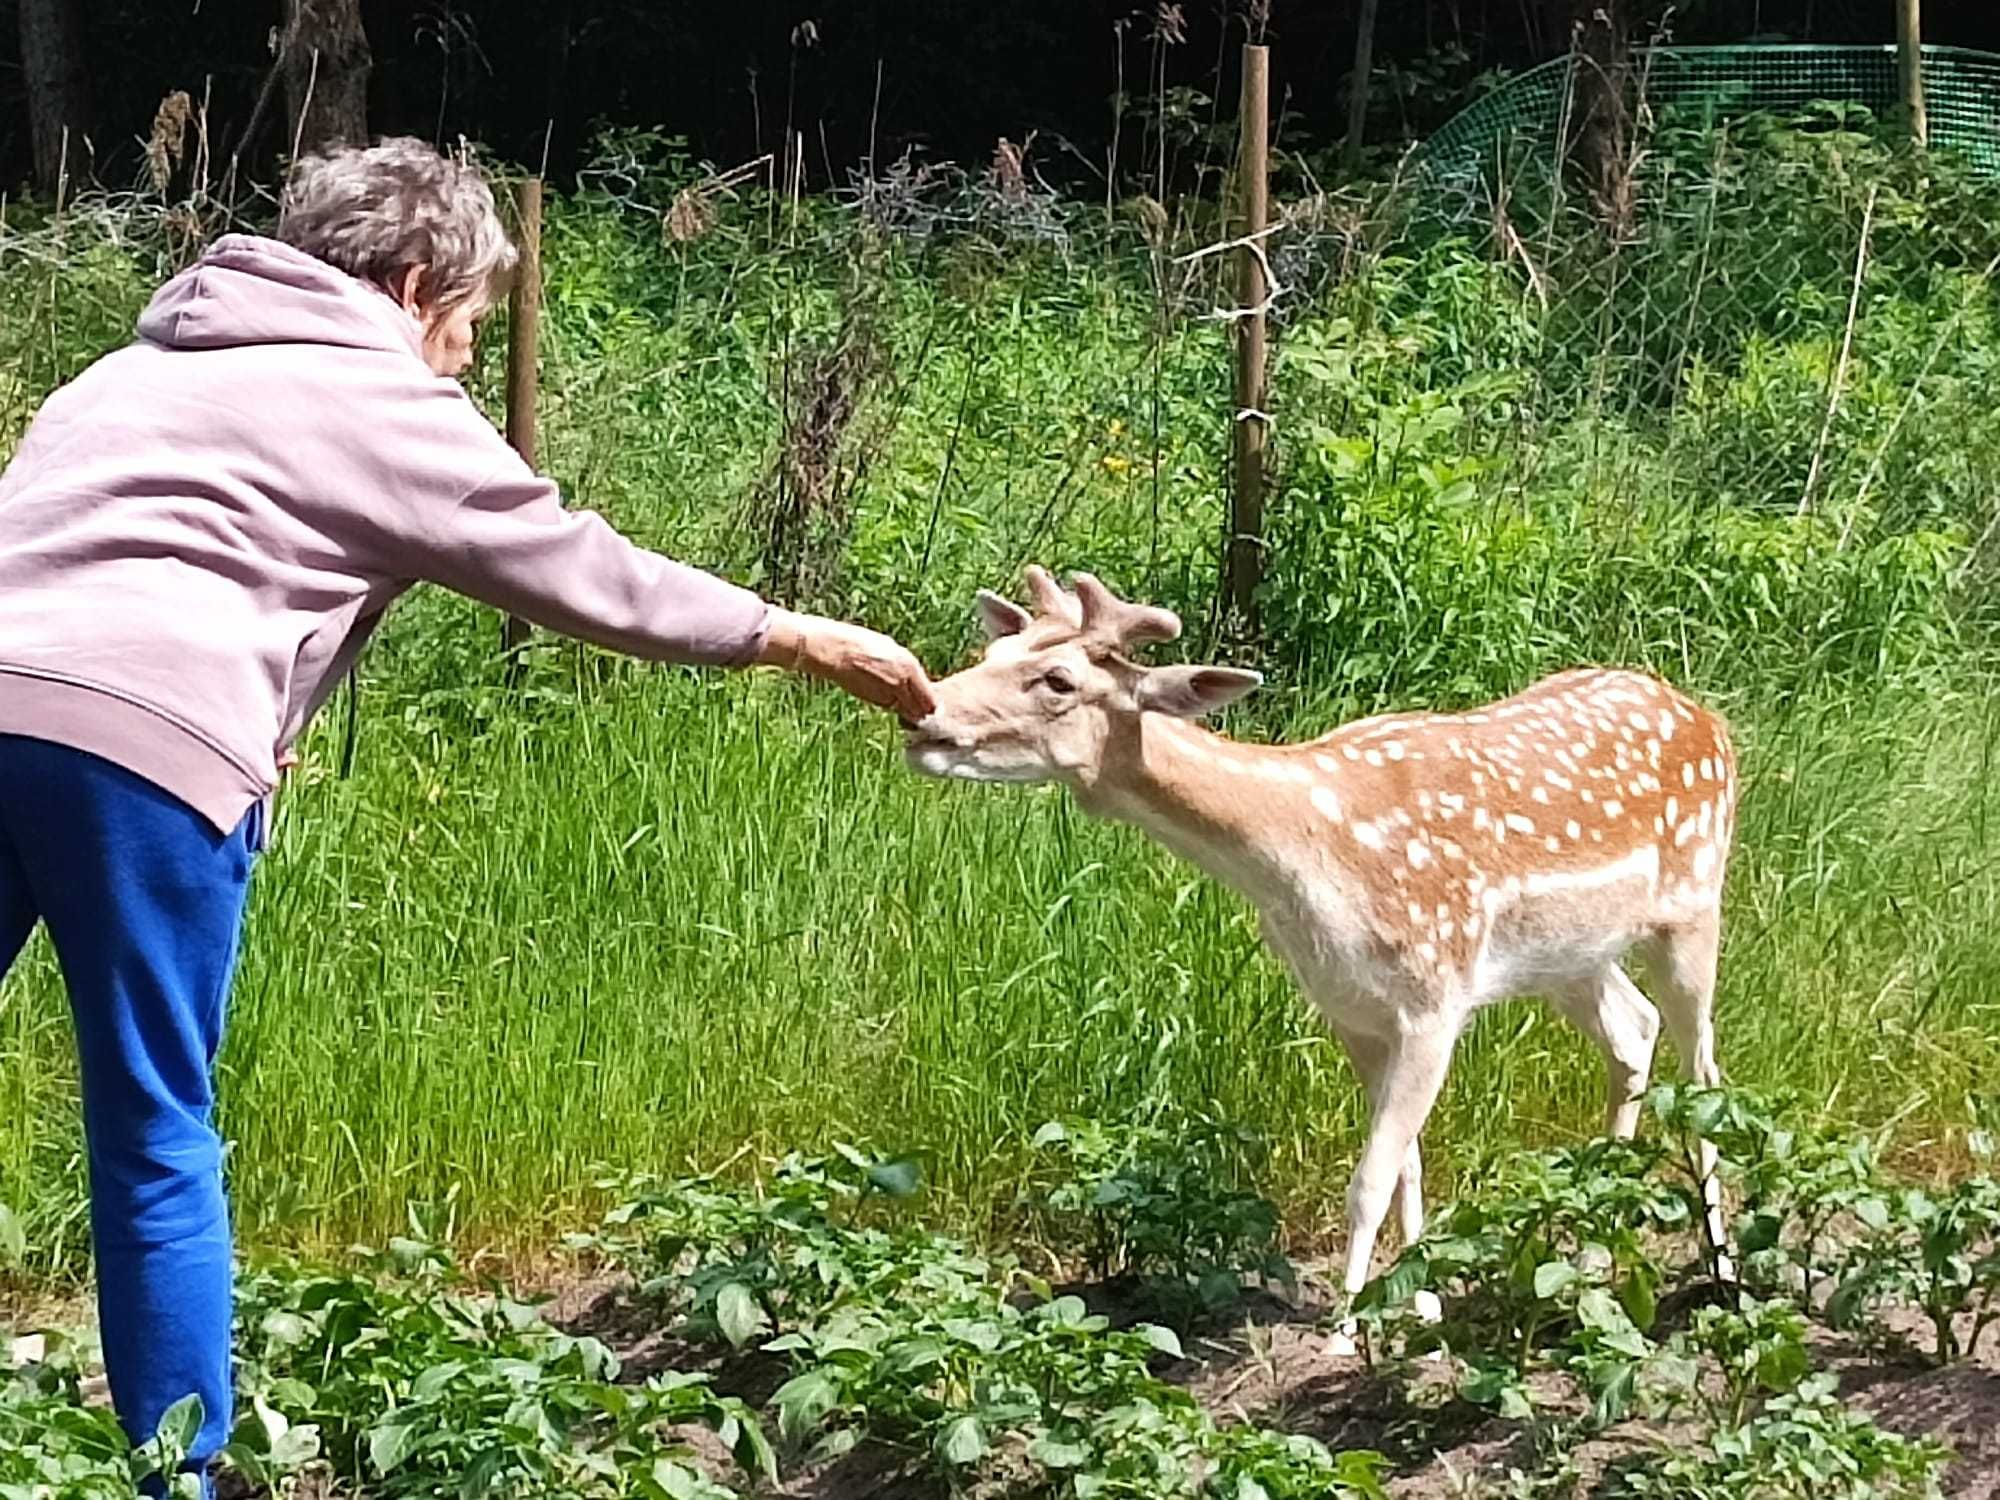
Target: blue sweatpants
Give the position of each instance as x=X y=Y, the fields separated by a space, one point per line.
x=144 y=902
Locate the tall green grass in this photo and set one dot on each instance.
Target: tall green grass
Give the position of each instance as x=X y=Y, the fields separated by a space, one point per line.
x=611 y=917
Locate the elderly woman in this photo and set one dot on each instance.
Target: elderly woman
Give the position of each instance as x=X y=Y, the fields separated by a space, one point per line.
x=196 y=537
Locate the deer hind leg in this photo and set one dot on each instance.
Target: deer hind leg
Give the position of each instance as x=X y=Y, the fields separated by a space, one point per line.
x=1684 y=961
x=1623 y=1023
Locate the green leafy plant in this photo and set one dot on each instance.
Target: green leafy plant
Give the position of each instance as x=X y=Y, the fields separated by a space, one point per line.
x=414 y=1380
x=54 y=1447
x=1563 y=1240
x=1799 y=1189
x=1803 y=1444
x=1164 y=1202
x=1757 y=1349
x=1937 y=1251
x=736 y=1262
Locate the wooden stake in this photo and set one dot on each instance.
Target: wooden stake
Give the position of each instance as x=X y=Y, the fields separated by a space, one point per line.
x=524 y=327
x=1244 y=559
x=1910 y=55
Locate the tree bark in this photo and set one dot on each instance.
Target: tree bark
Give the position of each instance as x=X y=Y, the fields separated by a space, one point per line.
x=1358 y=87
x=1910 y=56
x=58 y=86
x=325 y=61
x=1601 y=108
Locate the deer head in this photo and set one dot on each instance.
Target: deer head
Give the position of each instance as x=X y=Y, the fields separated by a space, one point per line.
x=1057 y=696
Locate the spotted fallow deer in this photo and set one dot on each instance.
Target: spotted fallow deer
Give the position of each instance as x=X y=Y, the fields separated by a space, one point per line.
x=1409 y=868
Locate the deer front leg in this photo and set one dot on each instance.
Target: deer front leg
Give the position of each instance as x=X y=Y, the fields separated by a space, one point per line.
x=1412 y=1071
x=1370 y=1056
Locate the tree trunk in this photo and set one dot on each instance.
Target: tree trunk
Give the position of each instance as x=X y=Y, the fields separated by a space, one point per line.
x=560 y=18
x=1601 y=108
x=1358 y=86
x=58 y=87
x=325 y=61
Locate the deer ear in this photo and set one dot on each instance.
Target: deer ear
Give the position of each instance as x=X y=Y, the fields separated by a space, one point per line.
x=1001 y=616
x=1191 y=692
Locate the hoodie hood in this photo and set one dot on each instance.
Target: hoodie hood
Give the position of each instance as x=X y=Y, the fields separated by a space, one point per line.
x=250 y=290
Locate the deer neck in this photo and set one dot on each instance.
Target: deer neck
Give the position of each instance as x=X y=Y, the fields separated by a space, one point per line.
x=1237 y=811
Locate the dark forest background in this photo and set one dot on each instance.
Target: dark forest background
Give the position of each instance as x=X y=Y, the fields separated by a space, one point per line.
x=947 y=77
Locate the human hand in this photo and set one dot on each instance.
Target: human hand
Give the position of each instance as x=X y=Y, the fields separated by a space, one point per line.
x=859 y=661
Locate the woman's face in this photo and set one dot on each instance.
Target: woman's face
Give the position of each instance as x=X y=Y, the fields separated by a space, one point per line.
x=448 y=331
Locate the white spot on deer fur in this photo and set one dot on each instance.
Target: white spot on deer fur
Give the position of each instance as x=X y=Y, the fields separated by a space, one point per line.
x=1687 y=774
x=1556 y=778
x=1393 y=749
x=1673 y=811
x=1326 y=763
x=1573 y=828
x=1642 y=863
x=1613 y=807
x=1450 y=850
x=1480 y=819
x=1427 y=952
x=1667 y=725
x=1553 y=844
x=1325 y=803
x=1519 y=824
x=1540 y=794
x=1373 y=757
x=1701 y=820
x=1639 y=722
x=1418 y=853
x=1368 y=835
x=1707 y=769
x=1350 y=752
x=1685 y=832
x=1451 y=802
x=1704 y=862
x=1416 y=911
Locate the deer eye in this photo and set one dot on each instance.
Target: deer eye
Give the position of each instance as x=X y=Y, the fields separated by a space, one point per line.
x=1058 y=680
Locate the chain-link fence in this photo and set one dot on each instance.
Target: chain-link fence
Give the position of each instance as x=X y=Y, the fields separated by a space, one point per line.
x=1789 y=264
x=1704 y=87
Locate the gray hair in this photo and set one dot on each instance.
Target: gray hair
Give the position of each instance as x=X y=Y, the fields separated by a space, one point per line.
x=377 y=211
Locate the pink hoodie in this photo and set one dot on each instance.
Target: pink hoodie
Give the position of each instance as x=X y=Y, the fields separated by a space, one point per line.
x=199 y=532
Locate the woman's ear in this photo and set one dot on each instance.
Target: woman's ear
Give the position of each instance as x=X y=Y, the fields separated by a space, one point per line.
x=406 y=294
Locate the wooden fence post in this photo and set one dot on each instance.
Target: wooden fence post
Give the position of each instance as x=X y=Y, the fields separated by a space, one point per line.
x=1243 y=563
x=524 y=326
x=1910 y=56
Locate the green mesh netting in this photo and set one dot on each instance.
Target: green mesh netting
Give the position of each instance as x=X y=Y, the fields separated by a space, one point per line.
x=1701 y=85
